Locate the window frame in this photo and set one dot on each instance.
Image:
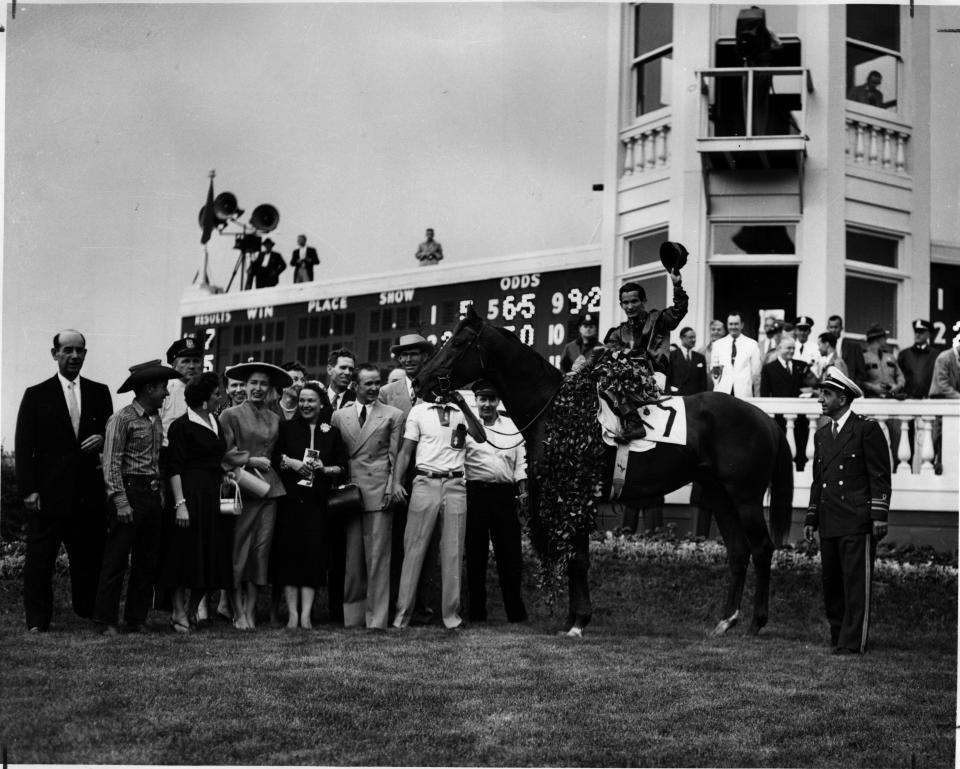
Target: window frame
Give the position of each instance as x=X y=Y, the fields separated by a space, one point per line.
x=899 y=56
x=639 y=60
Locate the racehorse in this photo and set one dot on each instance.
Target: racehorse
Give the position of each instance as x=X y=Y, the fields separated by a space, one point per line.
x=734 y=449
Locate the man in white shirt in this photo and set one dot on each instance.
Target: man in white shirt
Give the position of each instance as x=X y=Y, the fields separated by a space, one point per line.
x=185 y=356
x=496 y=472
x=735 y=361
x=434 y=442
x=807 y=350
x=340 y=367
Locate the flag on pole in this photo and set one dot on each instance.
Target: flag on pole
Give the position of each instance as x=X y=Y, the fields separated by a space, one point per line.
x=209 y=218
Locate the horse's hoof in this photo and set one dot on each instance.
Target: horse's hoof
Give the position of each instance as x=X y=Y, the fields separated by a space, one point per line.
x=725 y=624
x=756 y=624
x=575 y=632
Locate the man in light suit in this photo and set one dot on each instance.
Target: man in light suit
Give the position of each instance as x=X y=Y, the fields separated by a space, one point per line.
x=735 y=361
x=371 y=432
x=60 y=430
x=411 y=352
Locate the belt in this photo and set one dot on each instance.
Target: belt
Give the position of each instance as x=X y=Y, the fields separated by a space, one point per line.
x=431 y=474
x=142 y=480
x=494 y=484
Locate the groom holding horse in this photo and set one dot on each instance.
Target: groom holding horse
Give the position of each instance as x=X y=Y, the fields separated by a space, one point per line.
x=646 y=335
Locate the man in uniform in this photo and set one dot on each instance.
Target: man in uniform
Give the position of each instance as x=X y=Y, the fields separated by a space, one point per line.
x=916 y=362
x=806 y=347
x=60 y=430
x=849 y=502
x=646 y=334
x=496 y=481
x=586 y=340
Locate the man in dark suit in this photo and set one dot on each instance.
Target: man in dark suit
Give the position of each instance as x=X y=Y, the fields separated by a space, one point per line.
x=688 y=369
x=265 y=267
x=303 y=260
x=851 y=351
x=60 y=429
x=849 y=502
x=782 y=378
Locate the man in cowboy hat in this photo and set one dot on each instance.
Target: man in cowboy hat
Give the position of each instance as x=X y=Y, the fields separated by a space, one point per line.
x=646 y=334
x=849 y=502
x=883 y=377
x=131 y=471
x=60 y=429
x=587 y=339
x=265 y=267
x=411 y=352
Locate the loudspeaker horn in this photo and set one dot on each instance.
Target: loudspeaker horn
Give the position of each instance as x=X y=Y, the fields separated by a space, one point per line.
x=265 y=218
x=225 y=206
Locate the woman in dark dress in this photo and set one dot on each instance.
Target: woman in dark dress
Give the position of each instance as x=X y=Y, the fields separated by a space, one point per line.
x=300 y=547
x=199 y=550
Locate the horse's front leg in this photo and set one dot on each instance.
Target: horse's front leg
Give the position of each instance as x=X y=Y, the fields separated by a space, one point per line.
x=578 y=570
x=738 y=558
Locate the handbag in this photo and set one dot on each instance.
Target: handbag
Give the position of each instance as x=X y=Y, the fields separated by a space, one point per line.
x=231 y=502
x=251 y=482
x=344 y=501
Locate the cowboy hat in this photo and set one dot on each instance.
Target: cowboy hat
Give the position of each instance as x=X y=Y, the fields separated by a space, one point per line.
x=145 y=373
x=411 y=342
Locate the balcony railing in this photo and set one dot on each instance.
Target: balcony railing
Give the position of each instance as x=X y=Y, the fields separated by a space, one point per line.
x=876 y=143
x=918 y=481
x=645 y=147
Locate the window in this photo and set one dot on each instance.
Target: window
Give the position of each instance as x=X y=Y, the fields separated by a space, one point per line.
x=645 y=249
x=873 y=54
x=868 y=301
x=754 y=239
x=651 y=65
x=872 y=249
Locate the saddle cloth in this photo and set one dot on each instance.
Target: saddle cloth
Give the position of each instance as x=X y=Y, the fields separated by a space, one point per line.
x=666 y=422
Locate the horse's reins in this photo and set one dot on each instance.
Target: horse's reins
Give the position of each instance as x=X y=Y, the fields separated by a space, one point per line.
x=483 y=367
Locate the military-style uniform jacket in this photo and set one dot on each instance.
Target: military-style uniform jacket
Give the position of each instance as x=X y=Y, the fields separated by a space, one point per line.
x=650 y=332
x=851 y=478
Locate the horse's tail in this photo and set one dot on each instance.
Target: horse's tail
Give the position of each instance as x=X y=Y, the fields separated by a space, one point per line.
x=781 y=490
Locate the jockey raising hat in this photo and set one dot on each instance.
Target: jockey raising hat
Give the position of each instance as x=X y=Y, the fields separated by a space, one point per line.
x=483 y=387
x=673 y=255
x=835 y=379
x=411 y=342
x=876 y=331
x=278 y=377
x=804 y=321
x=589 y=319
x=922 y=325
x=145 y=373
x=184 y=348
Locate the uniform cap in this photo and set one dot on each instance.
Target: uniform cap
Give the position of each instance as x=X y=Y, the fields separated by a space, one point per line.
x=588 y=319
x=922 y=325
x=187 y=347
x=803 y=321
x=835 y=379
x=483 y=387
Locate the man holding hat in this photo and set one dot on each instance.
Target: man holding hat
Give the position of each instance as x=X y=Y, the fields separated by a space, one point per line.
x=265 y=267
x=849 y=502
x=131 y=471
x=916 y=362
x=586 y=340
x=883 y=377
x=496 y=473
x=60 y=430
x=807 y=349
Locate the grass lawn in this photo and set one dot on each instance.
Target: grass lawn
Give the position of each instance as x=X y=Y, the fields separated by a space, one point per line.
x=645 y=687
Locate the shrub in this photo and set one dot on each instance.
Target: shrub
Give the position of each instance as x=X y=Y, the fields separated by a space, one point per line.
x=11 y=505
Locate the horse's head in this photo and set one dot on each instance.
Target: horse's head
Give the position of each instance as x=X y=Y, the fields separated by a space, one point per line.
x=458 y=362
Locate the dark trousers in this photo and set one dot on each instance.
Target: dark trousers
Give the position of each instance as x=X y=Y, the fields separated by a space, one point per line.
x=801 y=429
x=492 y=516
x=136 y=542
x=337 y=568
x=847 y=571
x=83 y=536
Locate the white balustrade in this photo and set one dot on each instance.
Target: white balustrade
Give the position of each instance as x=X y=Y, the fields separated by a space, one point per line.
x=874 y=145
x=645 y=148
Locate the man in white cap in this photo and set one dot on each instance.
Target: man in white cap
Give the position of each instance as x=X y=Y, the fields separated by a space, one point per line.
x=849 y=502
x=807 y=350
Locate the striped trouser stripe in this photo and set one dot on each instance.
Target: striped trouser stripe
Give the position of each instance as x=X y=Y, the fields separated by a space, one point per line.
x=867 y=563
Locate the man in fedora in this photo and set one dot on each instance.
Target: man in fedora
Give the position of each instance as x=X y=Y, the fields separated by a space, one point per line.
x=265 y=267
x=131 y=471
x=411 y=352
x=883 y=377
x=60 y=429
x=849 y=503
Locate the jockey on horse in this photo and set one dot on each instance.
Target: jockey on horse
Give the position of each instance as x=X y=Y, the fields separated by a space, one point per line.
x=645 y=337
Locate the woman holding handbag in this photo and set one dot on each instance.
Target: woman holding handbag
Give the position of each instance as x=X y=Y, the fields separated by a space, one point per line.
x=310 y=457
x=254 y=428
x=198 y=552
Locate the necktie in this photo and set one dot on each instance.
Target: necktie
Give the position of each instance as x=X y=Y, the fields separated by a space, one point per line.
x=336 y=401
x=834 y=429
x=74 y=408
x=733 y=351
x=363 y=415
